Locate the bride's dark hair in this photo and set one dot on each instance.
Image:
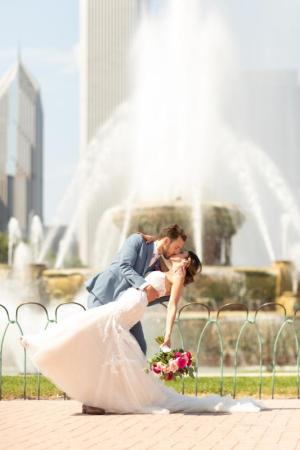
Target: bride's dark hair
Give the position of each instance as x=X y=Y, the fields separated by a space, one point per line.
x=194 y=267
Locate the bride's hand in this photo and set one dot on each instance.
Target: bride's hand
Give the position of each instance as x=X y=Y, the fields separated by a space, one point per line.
x=181 y=268
x=166 y=343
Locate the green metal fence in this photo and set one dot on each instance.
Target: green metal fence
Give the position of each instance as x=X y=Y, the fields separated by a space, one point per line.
x=248 y=322
x=209 y=318
x=16 y=322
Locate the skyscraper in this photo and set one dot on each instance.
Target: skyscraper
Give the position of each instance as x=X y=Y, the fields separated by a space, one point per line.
x=107 y=27
x=21 y=147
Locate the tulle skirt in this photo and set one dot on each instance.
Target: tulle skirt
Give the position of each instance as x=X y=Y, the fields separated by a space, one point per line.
x=93 y=357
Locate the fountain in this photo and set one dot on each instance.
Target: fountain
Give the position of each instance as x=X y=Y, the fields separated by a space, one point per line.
x=25 y=279
x=14 y=237
x=219 y=224
x=36 y=237
x=168 y=155
x=183 y=164
x=178 y=145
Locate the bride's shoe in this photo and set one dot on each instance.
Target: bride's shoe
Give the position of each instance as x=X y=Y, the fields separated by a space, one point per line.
x=93 y=410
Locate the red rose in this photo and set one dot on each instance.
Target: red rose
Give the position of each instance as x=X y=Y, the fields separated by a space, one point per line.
x=177 y=354
x=156 y=369
x=169 y=376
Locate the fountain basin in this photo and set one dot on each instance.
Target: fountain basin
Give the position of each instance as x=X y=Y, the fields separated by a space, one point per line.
x=64 y=283
x=219 y=223
x=5 y=270
x=216 y=285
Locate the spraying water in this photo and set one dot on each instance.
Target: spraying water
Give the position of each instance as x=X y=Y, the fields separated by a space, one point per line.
x=36 y=237
x=14 y=237
x=170 y=140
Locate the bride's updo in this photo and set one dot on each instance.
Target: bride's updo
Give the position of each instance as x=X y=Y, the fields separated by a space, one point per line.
x=194 y=267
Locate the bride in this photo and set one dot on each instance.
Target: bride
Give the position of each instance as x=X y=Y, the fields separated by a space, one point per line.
x=93 y=357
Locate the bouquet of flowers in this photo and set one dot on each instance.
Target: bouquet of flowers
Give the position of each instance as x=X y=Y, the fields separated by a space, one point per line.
x=169 y=365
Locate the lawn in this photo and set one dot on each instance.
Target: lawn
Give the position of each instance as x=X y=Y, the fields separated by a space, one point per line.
x=285 y=386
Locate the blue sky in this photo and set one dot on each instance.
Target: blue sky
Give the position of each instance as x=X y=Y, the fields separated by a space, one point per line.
x=266 y=32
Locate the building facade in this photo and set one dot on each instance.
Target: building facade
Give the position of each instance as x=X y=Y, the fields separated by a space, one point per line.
x=267 y=113
x=21 y=148
x=106 y=31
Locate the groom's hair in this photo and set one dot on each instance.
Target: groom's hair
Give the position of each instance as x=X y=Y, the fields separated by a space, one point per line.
x=173 y=232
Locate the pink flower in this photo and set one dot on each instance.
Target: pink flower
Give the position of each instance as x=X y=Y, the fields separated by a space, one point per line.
x=173 y=365
x=177 y=354
x=167 y=369
x=189 y=355
x=182 y=362
x=156 y=369
x=162 y=367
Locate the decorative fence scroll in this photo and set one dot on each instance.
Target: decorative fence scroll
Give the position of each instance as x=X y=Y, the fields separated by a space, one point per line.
x=210 y=320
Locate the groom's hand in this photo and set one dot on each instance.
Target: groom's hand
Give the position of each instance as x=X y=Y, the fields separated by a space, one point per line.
x=147 y=237
x=152 y=293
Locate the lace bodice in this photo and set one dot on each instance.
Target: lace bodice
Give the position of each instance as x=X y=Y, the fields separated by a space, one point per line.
x=157 y=279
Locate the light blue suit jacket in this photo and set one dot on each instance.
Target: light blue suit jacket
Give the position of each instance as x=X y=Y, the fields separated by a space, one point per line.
x=127 y=269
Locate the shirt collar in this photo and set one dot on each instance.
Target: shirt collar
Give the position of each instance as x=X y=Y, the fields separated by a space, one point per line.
x=155 y=251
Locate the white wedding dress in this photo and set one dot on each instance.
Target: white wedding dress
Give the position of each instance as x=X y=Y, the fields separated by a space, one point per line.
x=94 y=359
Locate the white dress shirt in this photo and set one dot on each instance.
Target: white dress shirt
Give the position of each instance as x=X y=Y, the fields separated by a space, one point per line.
x=153 y=259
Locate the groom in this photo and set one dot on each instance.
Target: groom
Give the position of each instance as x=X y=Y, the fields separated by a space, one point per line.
x=134 y=260
x=128 y=269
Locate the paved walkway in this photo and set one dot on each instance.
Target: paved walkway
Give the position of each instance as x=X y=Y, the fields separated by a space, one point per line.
x=58 y=425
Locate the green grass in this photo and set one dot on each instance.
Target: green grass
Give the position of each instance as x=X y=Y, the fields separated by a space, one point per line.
x=13 y=386
x=285 y=386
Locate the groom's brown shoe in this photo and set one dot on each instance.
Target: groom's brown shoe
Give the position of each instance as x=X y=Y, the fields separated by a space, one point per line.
x=86 y=409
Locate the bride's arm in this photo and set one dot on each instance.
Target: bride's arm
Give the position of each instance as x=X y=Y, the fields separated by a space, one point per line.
x=176 y=291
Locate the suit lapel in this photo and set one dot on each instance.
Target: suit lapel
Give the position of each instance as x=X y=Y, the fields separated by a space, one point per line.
x=150 y=250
